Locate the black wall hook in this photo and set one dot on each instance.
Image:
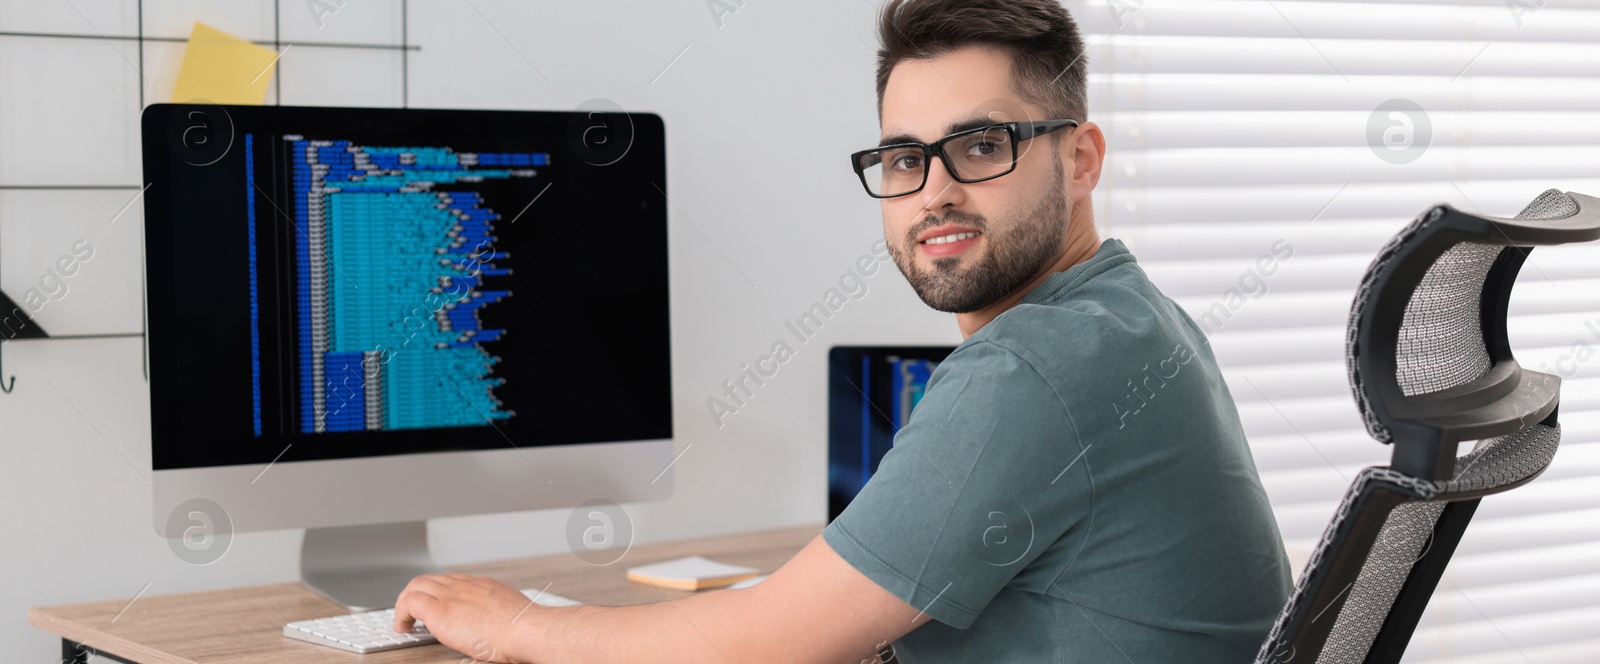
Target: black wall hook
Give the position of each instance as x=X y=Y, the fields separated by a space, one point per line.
x=15 y=323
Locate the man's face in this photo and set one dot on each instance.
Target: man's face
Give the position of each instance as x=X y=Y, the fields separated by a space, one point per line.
x=1012 y=227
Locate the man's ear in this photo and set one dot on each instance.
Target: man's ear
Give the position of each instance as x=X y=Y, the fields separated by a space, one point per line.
x=1085 y=149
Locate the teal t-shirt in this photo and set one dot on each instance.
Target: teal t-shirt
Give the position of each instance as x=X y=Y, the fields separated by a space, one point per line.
x=1074 y=486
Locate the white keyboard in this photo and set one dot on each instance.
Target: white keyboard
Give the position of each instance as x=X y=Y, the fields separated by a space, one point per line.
x=373 y=631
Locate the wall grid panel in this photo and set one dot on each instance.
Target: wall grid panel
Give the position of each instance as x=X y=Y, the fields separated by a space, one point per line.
x=67 y=421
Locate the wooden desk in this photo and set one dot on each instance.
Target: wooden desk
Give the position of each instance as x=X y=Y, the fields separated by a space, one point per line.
x=246 y=624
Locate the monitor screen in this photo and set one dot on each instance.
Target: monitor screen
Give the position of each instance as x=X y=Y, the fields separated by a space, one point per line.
x=330 y=283
x=871 y=393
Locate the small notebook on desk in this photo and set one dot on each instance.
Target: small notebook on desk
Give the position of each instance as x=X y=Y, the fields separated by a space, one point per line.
x=691 y=573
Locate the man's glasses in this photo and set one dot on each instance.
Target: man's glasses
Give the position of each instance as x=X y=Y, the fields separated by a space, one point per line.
x=974 y=155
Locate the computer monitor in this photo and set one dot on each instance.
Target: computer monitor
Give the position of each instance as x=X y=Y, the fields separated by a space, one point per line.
x=359 y=319
x=871 y=393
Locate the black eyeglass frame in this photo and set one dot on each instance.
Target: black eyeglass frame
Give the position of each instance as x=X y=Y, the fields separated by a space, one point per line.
x=1019 y=132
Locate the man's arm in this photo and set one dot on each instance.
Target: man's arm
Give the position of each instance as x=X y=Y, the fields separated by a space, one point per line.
x=816 y=608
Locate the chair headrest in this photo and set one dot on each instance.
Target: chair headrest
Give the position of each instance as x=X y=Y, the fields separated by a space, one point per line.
x=1427 y=353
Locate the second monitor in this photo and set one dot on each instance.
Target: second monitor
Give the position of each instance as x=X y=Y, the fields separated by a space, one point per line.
x=871 y=393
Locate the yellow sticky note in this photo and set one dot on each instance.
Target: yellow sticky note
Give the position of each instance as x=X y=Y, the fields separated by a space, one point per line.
x=223 y=69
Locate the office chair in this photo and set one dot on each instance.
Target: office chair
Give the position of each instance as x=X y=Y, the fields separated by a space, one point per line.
x=1431 y=367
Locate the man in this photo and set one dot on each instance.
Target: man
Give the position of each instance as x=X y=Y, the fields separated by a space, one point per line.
x=1073 y=486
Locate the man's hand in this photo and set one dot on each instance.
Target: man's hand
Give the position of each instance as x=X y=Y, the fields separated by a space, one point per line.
x=470 y=614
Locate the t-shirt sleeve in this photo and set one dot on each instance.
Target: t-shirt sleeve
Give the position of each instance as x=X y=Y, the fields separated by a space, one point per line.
x=985 y=475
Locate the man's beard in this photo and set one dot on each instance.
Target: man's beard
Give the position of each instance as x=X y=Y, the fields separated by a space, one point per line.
x=1014 y=257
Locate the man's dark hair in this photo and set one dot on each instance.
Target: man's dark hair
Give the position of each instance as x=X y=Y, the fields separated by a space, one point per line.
x=1047 y=61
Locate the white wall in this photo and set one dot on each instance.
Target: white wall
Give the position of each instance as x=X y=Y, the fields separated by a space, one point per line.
x=760 y=113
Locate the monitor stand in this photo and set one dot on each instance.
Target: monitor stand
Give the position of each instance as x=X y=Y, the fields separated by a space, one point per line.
x=365 y=567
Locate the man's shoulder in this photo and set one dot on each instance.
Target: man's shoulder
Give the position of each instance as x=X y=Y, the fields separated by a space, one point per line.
x=1116 y=312
x=1092 y=340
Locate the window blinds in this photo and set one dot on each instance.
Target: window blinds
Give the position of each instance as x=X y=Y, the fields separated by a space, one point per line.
x=1240 y=131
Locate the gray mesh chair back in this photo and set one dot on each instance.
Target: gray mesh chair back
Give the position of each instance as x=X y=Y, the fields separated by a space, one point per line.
x=1431 y=368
